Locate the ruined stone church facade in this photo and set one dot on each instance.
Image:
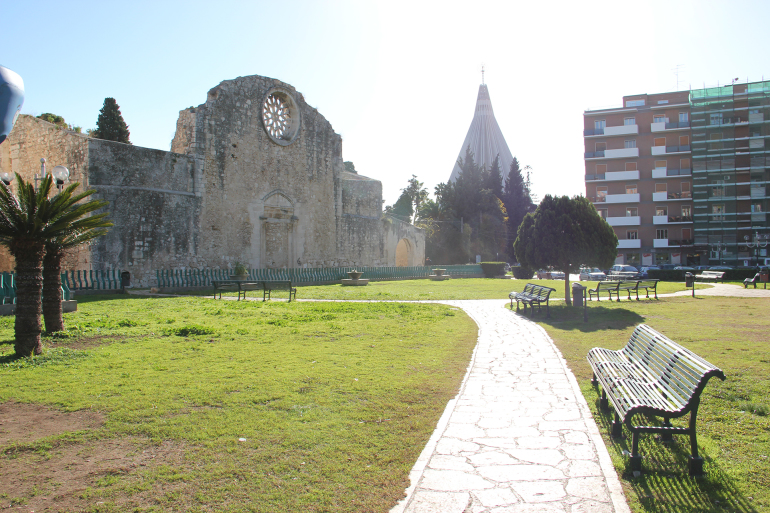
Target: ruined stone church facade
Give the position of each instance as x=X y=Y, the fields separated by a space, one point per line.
x=254 y=175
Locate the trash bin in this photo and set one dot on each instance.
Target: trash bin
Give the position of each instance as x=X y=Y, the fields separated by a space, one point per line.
x=578 y=294
x=125 y=279
x=689 y=279
x=764 y=275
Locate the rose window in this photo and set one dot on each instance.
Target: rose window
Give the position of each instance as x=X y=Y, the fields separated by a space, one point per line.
x=276 y=117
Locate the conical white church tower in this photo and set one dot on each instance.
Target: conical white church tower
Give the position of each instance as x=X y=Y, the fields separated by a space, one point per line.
x=485 y=138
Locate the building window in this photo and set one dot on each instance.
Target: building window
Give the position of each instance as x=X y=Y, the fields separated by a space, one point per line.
x=718 y=188
x=658 y=118
x=684 y=140
x=659 y=141
x=630 y=143
x=685 y=186
x=601 y=193
x=632 y=212
x=683 y=117
x=601 y=146
x=661 y=233
x=686 y=211
x=661 y=211
x=686 y=234
x=634 y=103
x=629 y=121
x=600 y=124
x=756 y=207
x=630 y=166
x=717 y=212
x=715 y=119
x=661 y=187
x=631 y=189
x=661 y=164
x=602 y=213
x=684 y=163
x=632 y=234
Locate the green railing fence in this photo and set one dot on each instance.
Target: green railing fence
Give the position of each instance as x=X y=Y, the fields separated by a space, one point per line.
x=203 y=277
x=8 y=286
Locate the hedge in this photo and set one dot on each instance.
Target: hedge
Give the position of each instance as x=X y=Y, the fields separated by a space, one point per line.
x=523 y=272
x=492 y=269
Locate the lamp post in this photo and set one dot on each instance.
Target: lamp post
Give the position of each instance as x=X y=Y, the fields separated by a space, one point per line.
x=757 y=243
x=59 y=173
x=719 y=247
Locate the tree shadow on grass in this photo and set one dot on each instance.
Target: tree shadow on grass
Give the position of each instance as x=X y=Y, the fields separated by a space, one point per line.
x=664 y=486
x=600 y=317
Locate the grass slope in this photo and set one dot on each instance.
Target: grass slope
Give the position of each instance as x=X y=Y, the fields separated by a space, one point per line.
x=335 y=401
x=733 y=424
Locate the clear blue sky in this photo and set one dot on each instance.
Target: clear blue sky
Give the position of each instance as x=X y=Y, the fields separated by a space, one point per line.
x=398 y=80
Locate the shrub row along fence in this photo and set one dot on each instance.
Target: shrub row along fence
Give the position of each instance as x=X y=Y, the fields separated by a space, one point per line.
x=70 y=281
x=204 y=277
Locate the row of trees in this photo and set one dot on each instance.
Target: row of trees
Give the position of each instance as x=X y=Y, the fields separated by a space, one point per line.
x=37 y=230
x=478 y=214
x=110 y=124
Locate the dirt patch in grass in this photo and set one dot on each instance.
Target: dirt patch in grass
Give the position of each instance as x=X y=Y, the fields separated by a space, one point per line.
x=25 y=423
x=73 y=475
x=84 y=342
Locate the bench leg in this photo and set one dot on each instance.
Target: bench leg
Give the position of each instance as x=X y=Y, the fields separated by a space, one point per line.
x=696 y=462
x=666 y=437
x=617 y=427
x=603 y=403
x=636 y=458
x=594 y=381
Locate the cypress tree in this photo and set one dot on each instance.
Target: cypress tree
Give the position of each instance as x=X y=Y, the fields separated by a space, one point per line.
x=110 y=124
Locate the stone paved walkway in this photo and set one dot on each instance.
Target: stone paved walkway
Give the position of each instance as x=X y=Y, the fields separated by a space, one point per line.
x=519 y=437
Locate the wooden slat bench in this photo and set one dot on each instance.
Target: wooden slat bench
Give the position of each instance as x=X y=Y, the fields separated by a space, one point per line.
x=269 y=286
x=606 y=286
x=647 y=285
x=627 y=285
x=652 y=376
x=714 y=276
x=225 y=286
x=532 y=295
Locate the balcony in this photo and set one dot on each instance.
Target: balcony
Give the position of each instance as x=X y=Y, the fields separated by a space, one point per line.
x=662 y=126
x=671 y=219
x=621 y=198
x=621 y=130
x=758 y=217
x=613 y=176
x=756 y=143
x=624 y=221
x=662 y=172
x=620 y=153
x=757 y=118
x=665 y=196
x=669 y=150
x=660 y=243
x=629 y=243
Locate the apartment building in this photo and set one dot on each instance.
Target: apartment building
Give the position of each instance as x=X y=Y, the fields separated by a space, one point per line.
x=638 y=174
x=731 y=172
x=682 y=177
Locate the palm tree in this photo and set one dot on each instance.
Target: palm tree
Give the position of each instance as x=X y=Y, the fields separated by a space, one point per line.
x=27 y=221
x=81 y=231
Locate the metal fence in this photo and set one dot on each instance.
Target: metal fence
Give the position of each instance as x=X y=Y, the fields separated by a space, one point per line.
x=168 y=278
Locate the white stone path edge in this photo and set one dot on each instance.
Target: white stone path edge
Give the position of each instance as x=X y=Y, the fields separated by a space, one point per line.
x=614 y=488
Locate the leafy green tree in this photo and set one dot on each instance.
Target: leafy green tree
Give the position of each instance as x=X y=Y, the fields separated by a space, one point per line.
x=417 y=193
x=110 y=124
x=403 y=208
x=53 y=118
x=565 y=233
x=350 y=167
x=27 y=221
x=494 y=179
x=517 y=200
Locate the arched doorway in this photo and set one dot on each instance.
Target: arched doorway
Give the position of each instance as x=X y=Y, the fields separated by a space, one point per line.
x=278 y=223
x=403 y=253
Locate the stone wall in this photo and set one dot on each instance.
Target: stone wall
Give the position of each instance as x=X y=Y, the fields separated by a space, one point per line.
x=229 y=191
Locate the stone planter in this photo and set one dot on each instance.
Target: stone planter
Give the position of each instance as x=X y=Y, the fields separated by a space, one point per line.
x=354 y=275
x=239 y=277
x=439 y=272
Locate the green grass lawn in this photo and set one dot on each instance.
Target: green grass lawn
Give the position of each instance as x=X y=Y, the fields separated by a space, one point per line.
x=466 y=288
x=733 y=424
x=335 y=401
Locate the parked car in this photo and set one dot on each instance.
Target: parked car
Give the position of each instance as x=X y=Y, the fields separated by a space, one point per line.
x=667 y=267
x=643 y=270
x=592 y=274
x=702 y=268
x=684 y=268
x=720 y=268
x=549 y=274
x=624 y=272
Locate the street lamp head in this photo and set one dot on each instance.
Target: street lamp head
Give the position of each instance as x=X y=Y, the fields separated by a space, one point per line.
x=61 y=174
x=6 y=177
